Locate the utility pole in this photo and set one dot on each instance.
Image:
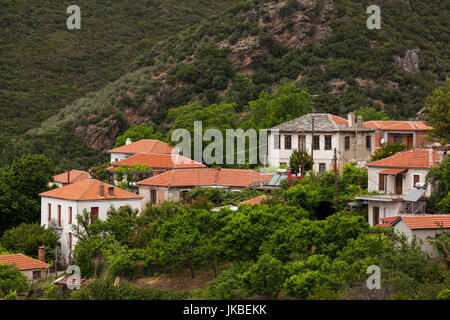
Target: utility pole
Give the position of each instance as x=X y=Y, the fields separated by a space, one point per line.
x=303 y=153
x=335 y=173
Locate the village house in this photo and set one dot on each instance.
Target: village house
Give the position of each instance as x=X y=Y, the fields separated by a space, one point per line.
x=412 y=134
x=69 y=177
x=400 y=182
x=319 y=134
x=173 y=185
x=158 y=163
x=60 y=207
x=422 y=226
x=141 y=146
x=31 y=268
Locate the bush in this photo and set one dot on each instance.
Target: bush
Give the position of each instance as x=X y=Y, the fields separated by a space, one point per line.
x=11 y=279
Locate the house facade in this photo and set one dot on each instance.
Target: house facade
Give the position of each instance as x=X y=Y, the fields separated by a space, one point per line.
x=422 y=227
x=60 y=207
x=412 y=134
x=159 y=163
x=69 y=177
x=319 y=134
x=400 y=182
x=142 y=146
x=173 y=185
x=32 y=269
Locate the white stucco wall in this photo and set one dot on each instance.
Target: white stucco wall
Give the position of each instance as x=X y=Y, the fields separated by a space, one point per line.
x=386 y=209
x=77 y=208
x=119 y=156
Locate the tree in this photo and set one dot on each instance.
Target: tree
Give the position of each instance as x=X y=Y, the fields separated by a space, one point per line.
x=439 y=177
x=27 y=238
x=11 y=279
x=287 y=104
x=370 y=113
x=437 y=114
x=20 y=185
x=265 y=277
x=298 y=159
x=388 y=150
x=138 y=132
x=100 y=172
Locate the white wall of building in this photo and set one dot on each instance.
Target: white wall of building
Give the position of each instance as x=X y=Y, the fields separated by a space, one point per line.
x=119 y=156
x=386 y=209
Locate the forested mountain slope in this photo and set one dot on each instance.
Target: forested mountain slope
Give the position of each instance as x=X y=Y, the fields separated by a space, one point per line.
x=322 y=46
x=44 y=66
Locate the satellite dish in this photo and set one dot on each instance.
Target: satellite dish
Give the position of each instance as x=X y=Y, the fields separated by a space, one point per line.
x=382 y=140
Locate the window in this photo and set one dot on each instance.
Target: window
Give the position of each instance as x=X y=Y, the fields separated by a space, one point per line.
x=327 y=142
x=59 y=215
x=301 y=142
x=70 y=214
x=36 y=274
x=287 y=142
x=347 y=143
x=94 y=214
x=276 y=141
x=368 y=142
x=153 y=196
x=316 y=142
x=49 y=211
x=416 y=179
x=322 y=167
x=375 y=215
x=381 y=182
x=398 y=138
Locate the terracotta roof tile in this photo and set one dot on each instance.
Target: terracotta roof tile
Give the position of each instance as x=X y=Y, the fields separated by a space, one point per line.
x=425 y=221
x=253 y=201
x=415 y=158
x=158 y=161
x=88 y=189
x=203 y=177
x=75 y=175
x=23 y=262
x=144 y=146
x=397 y=125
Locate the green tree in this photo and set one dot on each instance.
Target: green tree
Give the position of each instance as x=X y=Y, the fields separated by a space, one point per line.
x=388 y=150
x=20 y=185
x=437 y=114
x=299 y=159
x=11 y=279
x=27 y=238
x=370 y=113
x=138 y=132
x=287 y=104
x=265 y=277
x=439 y=177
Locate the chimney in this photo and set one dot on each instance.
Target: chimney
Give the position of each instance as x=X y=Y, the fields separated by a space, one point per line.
x=128 y=141
x=350 y=119
x=359 y=121
x=101 y=190
x=41 y=254
x=111 y=191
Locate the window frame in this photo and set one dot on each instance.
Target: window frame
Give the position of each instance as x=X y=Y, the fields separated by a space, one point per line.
x=347 y=143
x=330 y=139
x=316 y=146
x=287 y=138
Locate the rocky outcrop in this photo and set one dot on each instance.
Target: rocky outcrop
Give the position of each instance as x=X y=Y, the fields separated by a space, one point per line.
x=410 y=62
x=100 y=136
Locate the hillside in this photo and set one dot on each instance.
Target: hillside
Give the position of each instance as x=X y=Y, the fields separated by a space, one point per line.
x=44 y=66
x=322 y=46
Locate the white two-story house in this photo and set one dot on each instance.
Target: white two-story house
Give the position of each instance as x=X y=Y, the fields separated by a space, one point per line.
x=319 y=134
x=400 y=182
x=60 y=207
x=138 y=147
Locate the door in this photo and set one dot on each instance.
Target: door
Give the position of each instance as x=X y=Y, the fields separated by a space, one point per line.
x=153 y=196
x=375 y=215
x=94 y=214
x=409 y=143
x=399 y=184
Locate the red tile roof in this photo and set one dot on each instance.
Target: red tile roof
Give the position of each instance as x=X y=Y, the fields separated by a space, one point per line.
x=158 y=161
x=387 y=221
x=393 y=171
x=88 y=189
x=75 y=175
x=337 y=119
x=144 y=146
x=397 y=125
x=415 y=158
x=23 y=262
x=253 y=201
x=205 y=177
x=425 y=221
